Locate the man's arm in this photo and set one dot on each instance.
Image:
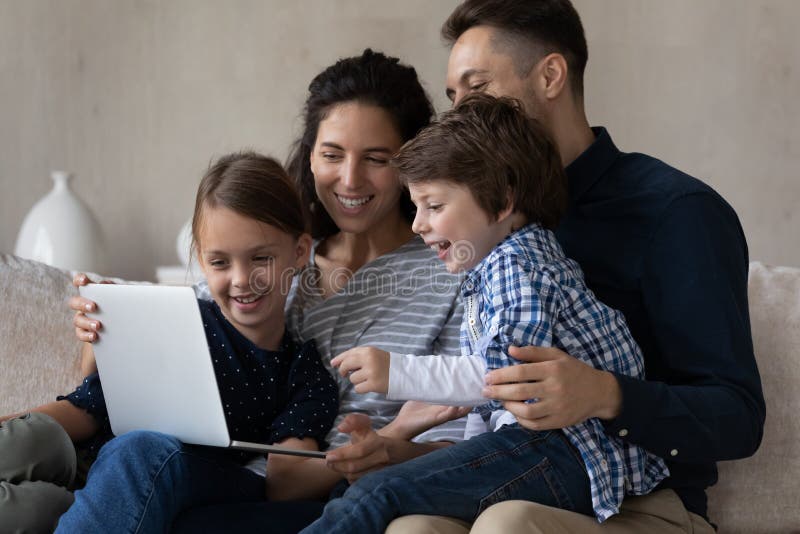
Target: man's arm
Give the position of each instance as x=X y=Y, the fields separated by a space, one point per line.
x=694 y=289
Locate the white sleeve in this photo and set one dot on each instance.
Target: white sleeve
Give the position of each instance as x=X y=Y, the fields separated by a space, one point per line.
x=451 y=380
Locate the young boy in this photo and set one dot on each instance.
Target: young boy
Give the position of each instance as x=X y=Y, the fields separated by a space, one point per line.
x=488 y=185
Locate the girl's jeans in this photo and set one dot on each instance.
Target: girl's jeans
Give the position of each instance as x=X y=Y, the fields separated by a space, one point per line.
x=142 y=480
x=464 y=479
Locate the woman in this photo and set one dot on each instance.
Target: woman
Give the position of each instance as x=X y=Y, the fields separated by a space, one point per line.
x=370 y=281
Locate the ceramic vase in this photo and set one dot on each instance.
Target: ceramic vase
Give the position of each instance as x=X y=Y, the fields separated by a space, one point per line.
x=61 y=231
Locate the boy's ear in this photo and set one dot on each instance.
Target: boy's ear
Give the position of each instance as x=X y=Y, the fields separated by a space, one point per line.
x=508 y=210
x=302 y=251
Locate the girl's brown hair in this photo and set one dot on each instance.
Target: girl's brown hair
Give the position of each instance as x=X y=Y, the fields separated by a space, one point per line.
x=492 y=148
x=251 y=185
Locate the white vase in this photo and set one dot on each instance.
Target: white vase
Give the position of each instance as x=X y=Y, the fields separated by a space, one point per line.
x=61 y=231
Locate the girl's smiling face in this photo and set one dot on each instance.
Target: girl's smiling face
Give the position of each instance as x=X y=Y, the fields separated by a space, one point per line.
x=249 y=267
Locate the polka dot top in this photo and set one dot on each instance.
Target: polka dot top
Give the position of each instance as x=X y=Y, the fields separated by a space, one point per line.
x=267 y=396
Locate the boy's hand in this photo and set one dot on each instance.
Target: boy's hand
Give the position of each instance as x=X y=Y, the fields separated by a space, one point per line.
x=368 y=368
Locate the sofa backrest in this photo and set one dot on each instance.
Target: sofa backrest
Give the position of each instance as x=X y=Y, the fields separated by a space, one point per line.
x=762 y=493
x=39 y=354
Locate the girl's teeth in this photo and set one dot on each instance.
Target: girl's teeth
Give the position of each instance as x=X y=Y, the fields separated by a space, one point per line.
x=247 y=300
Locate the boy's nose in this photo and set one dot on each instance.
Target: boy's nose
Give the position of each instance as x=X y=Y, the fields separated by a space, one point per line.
x=419 y=225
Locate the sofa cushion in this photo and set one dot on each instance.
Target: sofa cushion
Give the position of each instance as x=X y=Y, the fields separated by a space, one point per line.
x=760 y=494
x=39 y=354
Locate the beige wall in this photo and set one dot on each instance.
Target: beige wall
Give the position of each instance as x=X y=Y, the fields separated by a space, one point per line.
x=136 y=97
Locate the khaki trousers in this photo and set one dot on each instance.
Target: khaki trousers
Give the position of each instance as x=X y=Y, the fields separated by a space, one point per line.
x=660 y=512
x=37 y=464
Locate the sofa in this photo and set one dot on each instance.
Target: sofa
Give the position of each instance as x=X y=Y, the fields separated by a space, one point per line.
x=39 y=358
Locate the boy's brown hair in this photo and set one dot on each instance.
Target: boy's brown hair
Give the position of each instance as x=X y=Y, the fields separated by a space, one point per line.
x=491 y=147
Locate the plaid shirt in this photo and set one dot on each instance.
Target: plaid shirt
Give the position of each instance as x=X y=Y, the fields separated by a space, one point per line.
x=526 y=292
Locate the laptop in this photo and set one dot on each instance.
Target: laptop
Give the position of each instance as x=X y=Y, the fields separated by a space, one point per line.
x=156 y=368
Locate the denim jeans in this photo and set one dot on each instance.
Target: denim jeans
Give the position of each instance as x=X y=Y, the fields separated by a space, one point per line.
x=142 y=480
x=462 y=480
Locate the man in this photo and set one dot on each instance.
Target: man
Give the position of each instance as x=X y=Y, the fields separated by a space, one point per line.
x=660 y=246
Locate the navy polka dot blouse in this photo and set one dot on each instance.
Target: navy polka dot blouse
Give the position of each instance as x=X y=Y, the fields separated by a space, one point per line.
x=267 y=396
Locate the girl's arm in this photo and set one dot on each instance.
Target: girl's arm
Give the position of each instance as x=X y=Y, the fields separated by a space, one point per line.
x=78 y=424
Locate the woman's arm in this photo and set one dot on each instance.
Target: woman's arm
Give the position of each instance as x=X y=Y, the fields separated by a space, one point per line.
x=296 y=477
x=370 y=450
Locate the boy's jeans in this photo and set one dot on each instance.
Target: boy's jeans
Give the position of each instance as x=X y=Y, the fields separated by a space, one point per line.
x=142 y=480
x=464 y=479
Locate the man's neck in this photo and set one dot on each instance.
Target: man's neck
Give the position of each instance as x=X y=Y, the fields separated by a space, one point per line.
x=572 y=134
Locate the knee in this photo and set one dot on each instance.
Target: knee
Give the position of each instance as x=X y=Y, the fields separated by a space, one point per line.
x=40 y=444
x=514 y=516
x=141 y=444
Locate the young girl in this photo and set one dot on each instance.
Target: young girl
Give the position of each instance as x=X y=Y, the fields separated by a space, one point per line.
x=249 y=234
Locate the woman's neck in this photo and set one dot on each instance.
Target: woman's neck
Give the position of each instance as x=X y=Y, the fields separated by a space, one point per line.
x=352 y=251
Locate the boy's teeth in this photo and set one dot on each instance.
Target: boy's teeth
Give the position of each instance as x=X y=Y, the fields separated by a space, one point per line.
x=353 y=202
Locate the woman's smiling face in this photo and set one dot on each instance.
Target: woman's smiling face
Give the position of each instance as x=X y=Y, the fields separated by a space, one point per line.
x=350 y=162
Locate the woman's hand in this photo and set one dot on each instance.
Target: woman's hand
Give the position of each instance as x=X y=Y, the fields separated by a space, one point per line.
x=368 y=368
x=416 y=417
x=369 y=450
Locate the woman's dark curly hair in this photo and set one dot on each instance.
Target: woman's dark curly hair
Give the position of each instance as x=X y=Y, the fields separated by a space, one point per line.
x=371 y=78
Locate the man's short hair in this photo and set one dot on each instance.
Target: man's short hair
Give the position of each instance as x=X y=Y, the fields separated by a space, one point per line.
x=500 y=154
x=529 y=30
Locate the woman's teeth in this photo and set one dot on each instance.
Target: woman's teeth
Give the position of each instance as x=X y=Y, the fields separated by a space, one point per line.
x=354 y=202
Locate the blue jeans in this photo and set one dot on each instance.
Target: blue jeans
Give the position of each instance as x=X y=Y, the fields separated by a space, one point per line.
x=462 y=480
x=142 y=480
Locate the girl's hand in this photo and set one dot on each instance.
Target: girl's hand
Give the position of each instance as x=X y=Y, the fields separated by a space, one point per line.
x=86 y=328
x=368 y=368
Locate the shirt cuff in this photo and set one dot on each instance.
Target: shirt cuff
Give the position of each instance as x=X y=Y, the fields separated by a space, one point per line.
x=636 y=412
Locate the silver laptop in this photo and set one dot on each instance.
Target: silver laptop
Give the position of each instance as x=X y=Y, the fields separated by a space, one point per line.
x=156 y=368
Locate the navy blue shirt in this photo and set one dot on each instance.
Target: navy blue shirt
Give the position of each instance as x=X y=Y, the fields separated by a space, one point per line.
x=267 y=396
x=669 y=253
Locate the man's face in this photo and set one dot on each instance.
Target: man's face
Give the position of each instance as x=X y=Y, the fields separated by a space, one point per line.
x=476 y=65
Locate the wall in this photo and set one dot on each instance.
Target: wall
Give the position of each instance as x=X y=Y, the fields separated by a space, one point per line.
x=136 y=97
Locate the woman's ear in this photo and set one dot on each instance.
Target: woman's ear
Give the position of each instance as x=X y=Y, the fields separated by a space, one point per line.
x=302 y=251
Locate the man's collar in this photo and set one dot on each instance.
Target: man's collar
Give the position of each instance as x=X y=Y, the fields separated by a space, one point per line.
x=593 y=163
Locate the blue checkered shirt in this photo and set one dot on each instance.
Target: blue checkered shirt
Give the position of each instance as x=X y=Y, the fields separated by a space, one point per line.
x=526 y=292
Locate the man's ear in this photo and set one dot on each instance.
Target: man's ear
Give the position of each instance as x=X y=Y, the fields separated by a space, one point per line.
x=552 y=75
x=302 y=251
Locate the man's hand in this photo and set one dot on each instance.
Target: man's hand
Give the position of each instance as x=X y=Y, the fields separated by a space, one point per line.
x=368 y=368
x=567 y=390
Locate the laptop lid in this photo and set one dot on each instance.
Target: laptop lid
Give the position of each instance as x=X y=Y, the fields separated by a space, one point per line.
x=154 y=363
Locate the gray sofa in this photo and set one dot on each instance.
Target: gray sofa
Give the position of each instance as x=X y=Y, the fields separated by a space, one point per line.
x=39 y=358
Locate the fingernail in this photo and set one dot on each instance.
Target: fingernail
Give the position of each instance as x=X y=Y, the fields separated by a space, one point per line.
x=88 y=307
x=94 y=325
x=486 y=392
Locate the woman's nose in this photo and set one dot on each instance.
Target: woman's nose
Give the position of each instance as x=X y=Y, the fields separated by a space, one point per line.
x=351 y=173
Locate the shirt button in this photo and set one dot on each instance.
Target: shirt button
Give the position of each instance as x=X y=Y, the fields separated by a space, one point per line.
x=623 y=432
x=603 y=464
x=673 y=452
x=472 y=322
